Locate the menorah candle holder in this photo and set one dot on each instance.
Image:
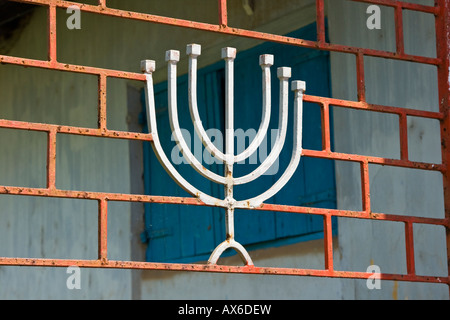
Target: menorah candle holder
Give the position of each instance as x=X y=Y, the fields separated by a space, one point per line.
x=228 y=158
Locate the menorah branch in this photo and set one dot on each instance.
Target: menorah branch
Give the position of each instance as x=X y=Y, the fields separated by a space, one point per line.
x=193 y=51
x=148 y=67
x=283 y=74
x=265 y=61
x=299 y=88
x=172 y=57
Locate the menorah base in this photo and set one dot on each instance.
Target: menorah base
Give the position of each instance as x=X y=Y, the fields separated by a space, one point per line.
x=227 y=244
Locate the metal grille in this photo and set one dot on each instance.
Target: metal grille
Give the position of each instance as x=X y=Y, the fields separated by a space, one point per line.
x=441 y=12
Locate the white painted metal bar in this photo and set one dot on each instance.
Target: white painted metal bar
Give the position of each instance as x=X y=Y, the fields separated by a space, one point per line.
x=283 y=73
x=299 y=88
x=172 y=57
x=230 y=244
x=229 y=54
x=265 y=61
x=193 y=51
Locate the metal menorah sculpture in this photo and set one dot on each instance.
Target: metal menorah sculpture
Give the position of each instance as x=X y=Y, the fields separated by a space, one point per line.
x=228 y=158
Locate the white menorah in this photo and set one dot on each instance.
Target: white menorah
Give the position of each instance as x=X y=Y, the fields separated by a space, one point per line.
x=228 y=158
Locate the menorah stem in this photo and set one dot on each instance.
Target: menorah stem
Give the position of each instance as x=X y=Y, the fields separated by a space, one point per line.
x=229 y=54
x=229 y=222
x=229 y=198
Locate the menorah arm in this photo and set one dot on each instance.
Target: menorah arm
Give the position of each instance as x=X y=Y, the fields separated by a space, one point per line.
x=299 y=88
x=194 y=50
x=265 y=61
x=148 y=67
x=172 y=56
x=284 y=74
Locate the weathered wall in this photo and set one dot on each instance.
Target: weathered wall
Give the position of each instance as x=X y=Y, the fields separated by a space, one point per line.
x=68 y=228
x=57 y=228
x=393 y=190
